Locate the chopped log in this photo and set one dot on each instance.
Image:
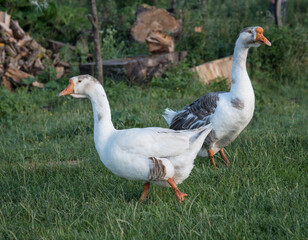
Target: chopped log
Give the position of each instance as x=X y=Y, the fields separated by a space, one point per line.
x=25 y=41
x=14 y=62
x=56 y=46
x=215 y=69
x=21 y=62
x=154 y=19
x=60 y=72
x=18 y=32
x=24 y=52
x=7 y=84
x=16 y=75
x=137 y=69
x=38 y=84
x=159 y=42
x=10 y=50
x=12 y=40
x=33 y=45
x=38 y=64
x=29 y=42
x=16 y=48
x=5 y=18
x=2 y=52
x=32 y=58
x=5 y=29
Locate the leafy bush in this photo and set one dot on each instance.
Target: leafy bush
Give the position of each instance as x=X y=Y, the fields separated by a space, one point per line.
x=176 y=79
x=47 y=19
x=111 y=48
x=285 y=60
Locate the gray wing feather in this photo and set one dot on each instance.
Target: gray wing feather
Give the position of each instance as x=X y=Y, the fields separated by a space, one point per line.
x=197 y=113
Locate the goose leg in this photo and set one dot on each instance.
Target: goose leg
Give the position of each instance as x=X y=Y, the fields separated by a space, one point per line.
x=144 y=194
x=223 y=156
x=210 y=153
x=180 y=196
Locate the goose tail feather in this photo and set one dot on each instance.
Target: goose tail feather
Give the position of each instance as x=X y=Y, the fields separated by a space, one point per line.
x=169 y=115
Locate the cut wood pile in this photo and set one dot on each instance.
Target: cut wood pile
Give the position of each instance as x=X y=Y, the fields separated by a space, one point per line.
x=21 y=57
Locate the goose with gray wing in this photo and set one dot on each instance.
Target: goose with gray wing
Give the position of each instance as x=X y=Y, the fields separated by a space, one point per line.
x=228 y=112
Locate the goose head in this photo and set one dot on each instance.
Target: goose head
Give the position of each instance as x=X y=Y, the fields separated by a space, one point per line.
x=252 y=37
x=80 y=86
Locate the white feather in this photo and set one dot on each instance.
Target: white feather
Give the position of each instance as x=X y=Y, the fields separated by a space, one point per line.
x=169 y=115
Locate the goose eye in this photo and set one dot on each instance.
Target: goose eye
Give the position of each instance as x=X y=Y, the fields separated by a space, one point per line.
x=79 y=81
x=249 y=31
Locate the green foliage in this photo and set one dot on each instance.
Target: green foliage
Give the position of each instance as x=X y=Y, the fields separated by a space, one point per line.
x=285 y=60
x=68 y=55
x=111 y=49
x=176 y=79
x=46 y=20
x=28 y=81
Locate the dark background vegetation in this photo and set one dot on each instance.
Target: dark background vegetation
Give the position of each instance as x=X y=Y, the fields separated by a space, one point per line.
x=52 y=184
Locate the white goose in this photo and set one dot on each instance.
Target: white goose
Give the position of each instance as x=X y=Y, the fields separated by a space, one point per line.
x=228 y=112
x=158 y=155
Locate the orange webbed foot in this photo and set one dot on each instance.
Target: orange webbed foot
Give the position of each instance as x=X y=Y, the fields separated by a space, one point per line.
x=224 y=157
x=144 y=194
x=210 y=153
x=180 y=196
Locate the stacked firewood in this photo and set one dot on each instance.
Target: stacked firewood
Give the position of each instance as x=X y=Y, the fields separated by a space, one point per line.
x=21 y=57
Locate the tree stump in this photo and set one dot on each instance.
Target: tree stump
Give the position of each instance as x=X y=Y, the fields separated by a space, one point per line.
x=150 y=19
x=138 y=70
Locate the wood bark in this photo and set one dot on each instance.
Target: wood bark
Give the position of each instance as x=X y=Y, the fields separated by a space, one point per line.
x=7 y=84
x=16 y=75
x=18 y=32
x=94 y=21
x=5 y=18
x=137 y=70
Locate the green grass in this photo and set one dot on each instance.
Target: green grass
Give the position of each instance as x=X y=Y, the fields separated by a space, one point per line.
x=53 y=185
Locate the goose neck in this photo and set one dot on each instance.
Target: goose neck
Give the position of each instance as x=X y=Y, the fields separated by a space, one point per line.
x=240 y=82
x=103 y=126
x=239 y=58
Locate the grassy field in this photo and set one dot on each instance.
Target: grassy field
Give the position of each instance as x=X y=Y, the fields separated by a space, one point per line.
x=53 y=185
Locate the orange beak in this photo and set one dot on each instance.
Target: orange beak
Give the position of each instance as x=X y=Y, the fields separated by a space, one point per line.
x=68 y=90
x=260 y=38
